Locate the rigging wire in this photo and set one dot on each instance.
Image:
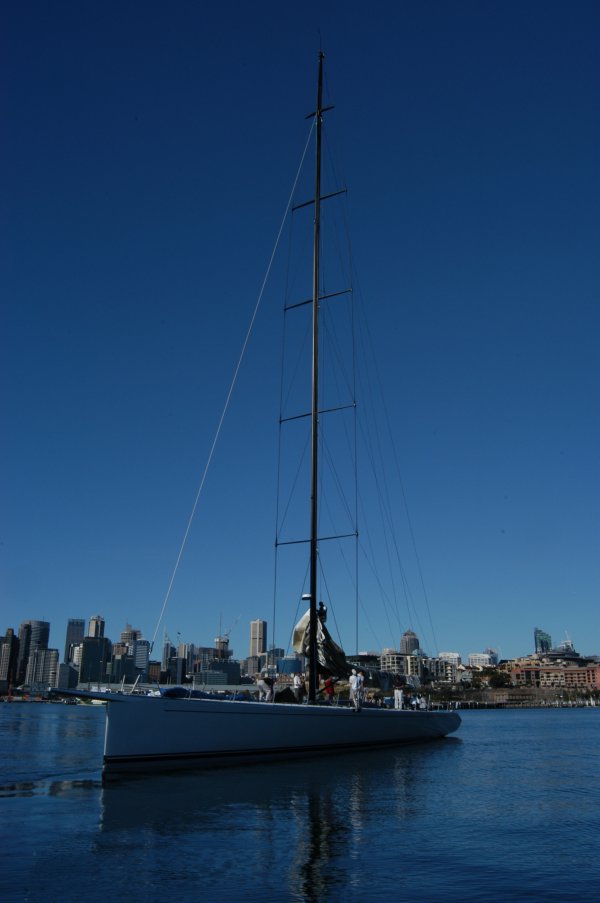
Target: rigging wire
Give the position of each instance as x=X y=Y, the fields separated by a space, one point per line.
x=231 y=387
x=383 y=492
x=387 y=422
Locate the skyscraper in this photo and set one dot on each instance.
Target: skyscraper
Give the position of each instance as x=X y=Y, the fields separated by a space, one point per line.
x=168 y=653
x=543 y=641
x=130 y=635
x=258 y=637
x=96 y=626
x=409 y=642
x=141 y=655
x=74 y=636
x=42 y=668
x=33 y=635
x=9 y=654
x=95 y=656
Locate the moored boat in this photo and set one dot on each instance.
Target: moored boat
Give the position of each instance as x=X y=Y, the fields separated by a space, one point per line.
x=144 y=733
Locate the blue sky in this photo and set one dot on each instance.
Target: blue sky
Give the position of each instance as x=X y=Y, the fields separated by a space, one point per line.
x=147 y=158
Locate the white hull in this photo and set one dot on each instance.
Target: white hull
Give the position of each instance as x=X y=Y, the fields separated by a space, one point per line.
x=145 y=733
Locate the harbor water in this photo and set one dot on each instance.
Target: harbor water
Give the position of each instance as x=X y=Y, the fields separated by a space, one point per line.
x=507 y=809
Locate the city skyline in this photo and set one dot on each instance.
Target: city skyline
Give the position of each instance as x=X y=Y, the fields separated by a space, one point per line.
x=27 y=662
x=141 y=204
x=408 y=642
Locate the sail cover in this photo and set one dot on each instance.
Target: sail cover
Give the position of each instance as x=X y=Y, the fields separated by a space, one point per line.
x=331 y=656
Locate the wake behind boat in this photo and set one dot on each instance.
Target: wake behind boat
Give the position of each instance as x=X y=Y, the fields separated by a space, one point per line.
x=144 y=733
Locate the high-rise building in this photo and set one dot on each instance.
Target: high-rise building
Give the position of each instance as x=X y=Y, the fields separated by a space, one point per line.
x=479 y=660
x=68 y=676
x=203 y=658
x=222 y=650
x=493 y=654
x=543 y=641
x=390 y=660
x=258 y=637
x=452 y=657
x=95 y=656
x=409 y=642
x=154 y=672
x=129 y=635
x=168 y=653
x=23 y=655
x=9 y=655
x=141 y=655
x=96 y=626
x=42 y=668
x=273 y=656
x=33 y=635
x=74 y=636
x=77 y=651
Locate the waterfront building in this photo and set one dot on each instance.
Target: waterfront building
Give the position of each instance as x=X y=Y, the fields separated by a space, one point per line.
x=479 y=660
x=542 y=640
x=409 y=642
x=76 y=662
x=188 y=654
x=141 y=656
x=564 y=650
x=42 y=668
x=391 y=660
x=441 y=669
x=96 y=626
x=258 y=638
x=23 y=651
x=167 y=654
x=452 y=657
x=154 y=672
x=68 y=676
x=178 y=670
x=493 y=654
x=290 y=664
x=221 y=650
x=95 y=656
x=568 y=675
x=252 y=665
x=438 y=669
x=230 y=669
x=33 y=635
x=74 y=636
x=129 y=635
x=9 y=655
x=203 y=657
x=272 y=656
x=121 y=667
x=212 y=678
x=450 y=671
x=413 y=667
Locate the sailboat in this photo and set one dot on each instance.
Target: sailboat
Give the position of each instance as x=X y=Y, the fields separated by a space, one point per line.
x=166 y=731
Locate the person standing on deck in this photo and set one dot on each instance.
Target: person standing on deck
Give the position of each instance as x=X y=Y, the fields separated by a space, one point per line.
x=354 y=685
x=329 y=690
x=298 y=687
x=361 y=688
x=265 y=688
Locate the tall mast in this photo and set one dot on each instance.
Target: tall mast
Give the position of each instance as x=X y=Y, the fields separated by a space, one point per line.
x=313 y=655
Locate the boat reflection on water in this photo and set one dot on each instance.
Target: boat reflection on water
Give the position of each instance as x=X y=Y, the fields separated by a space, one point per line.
x=313 y=819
